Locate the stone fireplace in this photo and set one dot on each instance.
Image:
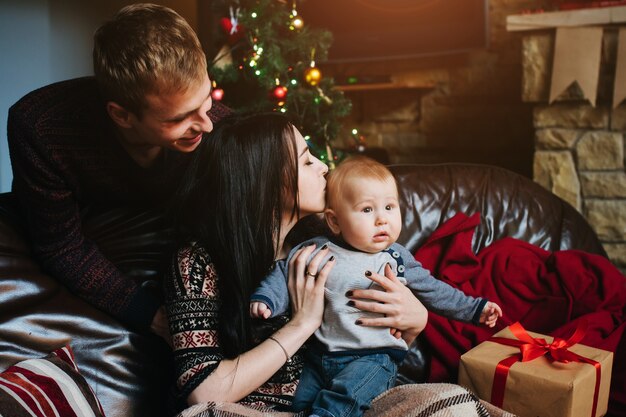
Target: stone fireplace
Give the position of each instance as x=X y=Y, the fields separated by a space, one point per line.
x=473 y=108
x=579 y=146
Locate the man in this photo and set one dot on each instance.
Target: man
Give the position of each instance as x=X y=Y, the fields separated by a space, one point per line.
x=119 y=139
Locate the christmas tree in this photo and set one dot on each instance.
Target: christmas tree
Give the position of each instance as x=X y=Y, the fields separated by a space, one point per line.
x=267 y=62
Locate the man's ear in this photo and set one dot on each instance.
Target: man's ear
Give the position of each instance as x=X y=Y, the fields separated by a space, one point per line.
x=119 y=115
x=331 y=221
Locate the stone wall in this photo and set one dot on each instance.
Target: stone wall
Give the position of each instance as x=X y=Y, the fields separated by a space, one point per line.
x=579 y=152
x=469 y=109
x=491 y=106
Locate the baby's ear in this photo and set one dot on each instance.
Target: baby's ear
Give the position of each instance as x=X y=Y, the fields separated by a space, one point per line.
x=331 y=221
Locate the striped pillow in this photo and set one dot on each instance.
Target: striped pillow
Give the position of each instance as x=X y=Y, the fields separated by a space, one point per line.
x=50 y=386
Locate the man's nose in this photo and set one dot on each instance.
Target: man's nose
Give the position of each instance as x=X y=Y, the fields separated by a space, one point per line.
x=203 y=123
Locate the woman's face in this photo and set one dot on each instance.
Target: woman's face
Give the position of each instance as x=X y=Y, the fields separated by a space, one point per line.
x=311 y=179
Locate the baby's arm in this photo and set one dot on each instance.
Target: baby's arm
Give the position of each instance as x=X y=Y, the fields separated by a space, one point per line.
x=271 y=298
x=438 y=296
x=273 y=292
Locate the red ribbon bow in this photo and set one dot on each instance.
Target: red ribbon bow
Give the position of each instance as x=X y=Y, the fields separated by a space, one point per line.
x=532 y=348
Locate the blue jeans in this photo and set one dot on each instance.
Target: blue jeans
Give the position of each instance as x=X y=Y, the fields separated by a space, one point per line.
x=343 y=385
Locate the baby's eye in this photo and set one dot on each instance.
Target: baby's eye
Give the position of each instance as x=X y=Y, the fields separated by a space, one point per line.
x=367 y=210
x=389 y=207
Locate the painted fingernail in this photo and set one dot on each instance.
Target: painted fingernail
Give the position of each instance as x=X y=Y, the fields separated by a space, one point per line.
x=368 y=273
x=332 y=258
x=350 y=303
x=349 y=293
x=358 y=322
x=324 y=247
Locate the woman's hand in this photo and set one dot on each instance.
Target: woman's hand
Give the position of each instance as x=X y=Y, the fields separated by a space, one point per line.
x=403 y=311
x=306 y=286
x=233 y=379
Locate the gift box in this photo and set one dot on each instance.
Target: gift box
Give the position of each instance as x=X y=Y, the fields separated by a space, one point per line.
x=531 y=375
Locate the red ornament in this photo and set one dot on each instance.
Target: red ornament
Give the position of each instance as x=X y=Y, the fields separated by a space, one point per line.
x=217 y=94
x=279 y=92
x=235 y=31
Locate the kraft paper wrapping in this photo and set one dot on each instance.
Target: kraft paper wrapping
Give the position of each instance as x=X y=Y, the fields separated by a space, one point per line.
x=619 y=89
x=577 y=53
x=539 y=387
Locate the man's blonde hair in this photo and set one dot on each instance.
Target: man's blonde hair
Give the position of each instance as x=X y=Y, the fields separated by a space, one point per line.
x=351 y=168
x=146 y=49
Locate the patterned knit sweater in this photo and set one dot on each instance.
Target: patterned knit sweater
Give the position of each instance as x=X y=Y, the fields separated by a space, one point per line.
x=192 y=301
x=65 y=158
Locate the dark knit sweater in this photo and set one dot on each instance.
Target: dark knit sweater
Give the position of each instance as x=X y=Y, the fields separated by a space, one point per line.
x=65 y=157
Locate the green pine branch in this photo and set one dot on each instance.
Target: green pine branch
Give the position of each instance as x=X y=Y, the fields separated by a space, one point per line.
x=282 y=54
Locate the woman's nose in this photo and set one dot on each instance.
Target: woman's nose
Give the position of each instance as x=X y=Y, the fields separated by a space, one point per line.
x=324 y=167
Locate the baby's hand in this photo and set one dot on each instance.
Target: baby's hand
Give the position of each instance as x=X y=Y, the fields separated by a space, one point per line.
x=259 y=310
x=490 y=314
x=395 y=332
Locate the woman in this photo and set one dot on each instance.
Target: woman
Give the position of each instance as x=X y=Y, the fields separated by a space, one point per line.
x=244 y=191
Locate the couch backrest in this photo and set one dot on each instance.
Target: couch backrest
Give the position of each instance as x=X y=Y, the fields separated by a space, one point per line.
x=510 y=206
x=129 y=372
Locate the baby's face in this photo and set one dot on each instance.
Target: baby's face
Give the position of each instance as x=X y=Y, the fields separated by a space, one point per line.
x=368 y=214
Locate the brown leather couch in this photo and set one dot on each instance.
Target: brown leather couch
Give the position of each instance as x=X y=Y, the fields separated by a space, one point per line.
x=130 y=373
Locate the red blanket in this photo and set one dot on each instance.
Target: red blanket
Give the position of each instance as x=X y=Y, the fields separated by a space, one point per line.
x=547 y=292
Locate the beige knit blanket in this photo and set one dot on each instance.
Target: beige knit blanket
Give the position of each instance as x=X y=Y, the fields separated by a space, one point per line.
x=413 y=400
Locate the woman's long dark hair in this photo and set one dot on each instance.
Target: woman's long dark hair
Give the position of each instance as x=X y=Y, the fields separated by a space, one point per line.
x=240 y=180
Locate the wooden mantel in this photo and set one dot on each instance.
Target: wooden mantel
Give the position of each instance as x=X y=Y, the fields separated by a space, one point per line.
x=570 y=18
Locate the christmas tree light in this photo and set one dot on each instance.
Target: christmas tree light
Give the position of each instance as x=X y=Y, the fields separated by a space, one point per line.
x=265 y=41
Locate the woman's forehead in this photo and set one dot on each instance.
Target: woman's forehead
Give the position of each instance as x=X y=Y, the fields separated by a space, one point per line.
x=301 y=144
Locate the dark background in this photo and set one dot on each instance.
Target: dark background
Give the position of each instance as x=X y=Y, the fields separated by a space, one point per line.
x=365 y=30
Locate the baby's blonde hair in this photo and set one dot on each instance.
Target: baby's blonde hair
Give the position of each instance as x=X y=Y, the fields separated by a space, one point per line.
x=146 y=49
x=352 y=168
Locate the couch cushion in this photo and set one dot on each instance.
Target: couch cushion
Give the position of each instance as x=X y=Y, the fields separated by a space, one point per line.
x=47 y=386
x=129 y=372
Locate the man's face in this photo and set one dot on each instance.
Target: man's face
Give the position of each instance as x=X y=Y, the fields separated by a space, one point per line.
x=175 y=120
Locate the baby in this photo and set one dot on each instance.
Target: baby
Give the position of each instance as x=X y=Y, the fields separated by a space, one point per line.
x=348 y=365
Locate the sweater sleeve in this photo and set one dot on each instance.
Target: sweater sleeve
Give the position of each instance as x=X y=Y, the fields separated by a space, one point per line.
x=219 y=111
x=192 y=302
x=436 y=295
x=54 y=224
